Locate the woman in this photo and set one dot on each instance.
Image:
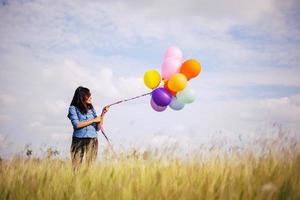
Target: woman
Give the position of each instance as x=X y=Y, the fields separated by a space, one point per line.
x=85 y=123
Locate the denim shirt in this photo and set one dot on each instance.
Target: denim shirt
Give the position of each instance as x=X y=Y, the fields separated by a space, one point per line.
x=76 y=117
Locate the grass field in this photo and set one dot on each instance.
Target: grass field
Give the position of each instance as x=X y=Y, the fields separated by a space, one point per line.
x=142 y=176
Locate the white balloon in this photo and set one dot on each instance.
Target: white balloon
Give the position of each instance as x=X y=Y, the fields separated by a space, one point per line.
x=176 y=105
x=186 y=96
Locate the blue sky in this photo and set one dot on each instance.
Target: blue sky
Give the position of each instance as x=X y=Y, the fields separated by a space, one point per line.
x=249 y=51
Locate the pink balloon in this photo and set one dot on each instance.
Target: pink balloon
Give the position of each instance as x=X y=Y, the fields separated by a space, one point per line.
x=169 y=67
x=173 y=52
x=157 y=107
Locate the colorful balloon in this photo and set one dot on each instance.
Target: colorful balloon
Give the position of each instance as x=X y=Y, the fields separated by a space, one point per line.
x=176 y=105
x=157 y=107
x=168 y=89
x=161 y=97
x=185 y=96
x=177 y=82
x=190 y=68
x=169 y=67
x=152 y=79
x=173 y=52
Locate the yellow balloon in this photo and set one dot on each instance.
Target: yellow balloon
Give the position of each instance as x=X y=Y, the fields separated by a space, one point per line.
x=177 y=82
x=152 y=79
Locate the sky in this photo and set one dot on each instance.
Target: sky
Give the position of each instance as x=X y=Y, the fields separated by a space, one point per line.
x=249 y=85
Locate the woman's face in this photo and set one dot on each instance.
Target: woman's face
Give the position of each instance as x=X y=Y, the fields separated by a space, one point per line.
x=88 y=100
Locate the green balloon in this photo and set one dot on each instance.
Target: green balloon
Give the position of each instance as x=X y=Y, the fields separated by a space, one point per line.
x=186 y=96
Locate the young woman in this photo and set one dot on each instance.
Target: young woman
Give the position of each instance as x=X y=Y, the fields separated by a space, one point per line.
x=85 y=123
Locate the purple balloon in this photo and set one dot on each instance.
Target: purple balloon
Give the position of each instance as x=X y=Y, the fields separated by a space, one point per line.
x=161 y=97
x=157 y=107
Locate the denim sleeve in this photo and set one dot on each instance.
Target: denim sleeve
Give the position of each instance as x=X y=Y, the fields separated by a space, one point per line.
x=72 y=115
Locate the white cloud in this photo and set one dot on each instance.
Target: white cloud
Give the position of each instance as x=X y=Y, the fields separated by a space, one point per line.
x=103 y=83
x=4 y=143
x=251 y=77
x=286 y=109
x=295 y=100
x=5 y=118
x=61 y=137
x=7 y=100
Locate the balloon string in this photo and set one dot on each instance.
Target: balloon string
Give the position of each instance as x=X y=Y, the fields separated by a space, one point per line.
x=118 y=102
x=129 y=99
x=108 y=141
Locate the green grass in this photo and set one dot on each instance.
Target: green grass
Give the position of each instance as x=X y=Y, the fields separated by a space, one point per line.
x=232 y=176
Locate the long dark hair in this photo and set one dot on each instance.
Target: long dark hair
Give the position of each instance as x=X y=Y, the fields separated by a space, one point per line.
x=79 y=97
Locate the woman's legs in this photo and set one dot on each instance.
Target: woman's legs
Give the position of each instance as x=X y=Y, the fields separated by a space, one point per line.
x=91 y=150
x=77 y=152
x=81 y=146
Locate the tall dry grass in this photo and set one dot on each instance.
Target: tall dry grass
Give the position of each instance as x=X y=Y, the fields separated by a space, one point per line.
x=273 y=174
x=264 y=168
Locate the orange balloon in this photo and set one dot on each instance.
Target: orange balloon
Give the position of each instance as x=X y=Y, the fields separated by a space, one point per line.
x=190 y=68
x=177 y=82
x=167 y=88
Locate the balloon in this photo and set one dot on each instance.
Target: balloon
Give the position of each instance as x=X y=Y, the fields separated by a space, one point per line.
x=190 y=68
x=161 y=97
x=186 y=96
x=169 y=67
x=173 y=52
x=152 y=79
x=168 y=89
x=157 y=107
x=176 y=105
x=177 y=82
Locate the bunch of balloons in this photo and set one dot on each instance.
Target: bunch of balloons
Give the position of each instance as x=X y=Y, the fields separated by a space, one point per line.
x=175 y=74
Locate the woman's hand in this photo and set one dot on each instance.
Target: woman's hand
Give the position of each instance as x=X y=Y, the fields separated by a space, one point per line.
x=98 y=119
x=104 y=110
